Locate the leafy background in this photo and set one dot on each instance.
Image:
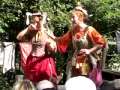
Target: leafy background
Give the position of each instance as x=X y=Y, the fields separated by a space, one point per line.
x=104 y=16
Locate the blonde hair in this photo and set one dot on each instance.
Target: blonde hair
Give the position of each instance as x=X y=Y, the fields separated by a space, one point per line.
x=24 y=85
x=80 y=8
x=80 y=12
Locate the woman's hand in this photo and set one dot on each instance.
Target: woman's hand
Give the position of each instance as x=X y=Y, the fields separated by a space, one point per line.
x=51 y=45
x=34 y=27
x=86 y=51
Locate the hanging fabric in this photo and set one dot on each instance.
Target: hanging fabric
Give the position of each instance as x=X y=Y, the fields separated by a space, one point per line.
x=7 y=56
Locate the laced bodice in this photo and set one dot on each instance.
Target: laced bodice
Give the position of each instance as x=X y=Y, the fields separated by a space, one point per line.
x=80 y=42
x=38 y=44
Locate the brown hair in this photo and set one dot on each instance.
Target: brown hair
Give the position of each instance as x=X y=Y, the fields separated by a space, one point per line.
x=81 y=12
x=78 y=13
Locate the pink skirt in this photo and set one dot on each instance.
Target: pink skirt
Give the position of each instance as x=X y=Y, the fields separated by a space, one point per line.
x=40 y=68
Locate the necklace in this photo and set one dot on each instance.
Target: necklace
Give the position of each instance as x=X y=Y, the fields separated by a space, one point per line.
x=38 y=36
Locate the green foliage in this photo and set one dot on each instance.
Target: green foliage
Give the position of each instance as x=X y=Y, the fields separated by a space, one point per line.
x=58 y=12
x=12 y=14
x=114 y=63
x=113 y=58
x=4 y=85
x=105 y=14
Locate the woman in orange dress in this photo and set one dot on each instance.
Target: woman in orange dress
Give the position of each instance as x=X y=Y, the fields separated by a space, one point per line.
x=87 y=45
x=36 y=62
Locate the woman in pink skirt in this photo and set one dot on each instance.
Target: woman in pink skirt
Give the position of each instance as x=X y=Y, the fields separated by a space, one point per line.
x=35 y=44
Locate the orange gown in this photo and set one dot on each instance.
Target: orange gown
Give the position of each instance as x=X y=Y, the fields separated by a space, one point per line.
x=81 y=65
